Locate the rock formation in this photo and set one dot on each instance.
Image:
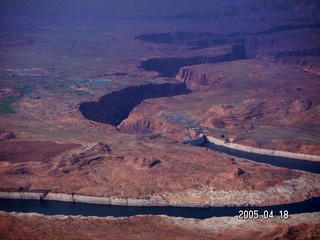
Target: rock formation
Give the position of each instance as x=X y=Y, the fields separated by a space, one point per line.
x=116 y=106
x=244 y=74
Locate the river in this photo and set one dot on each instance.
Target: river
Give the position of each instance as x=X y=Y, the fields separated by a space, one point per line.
x=71 y=208
x=308 y=166
x=84 y=209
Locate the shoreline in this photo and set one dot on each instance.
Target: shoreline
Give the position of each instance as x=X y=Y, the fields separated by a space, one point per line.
x=154 y=202
x=216 y=198
x=65 y=197
x=262 y=151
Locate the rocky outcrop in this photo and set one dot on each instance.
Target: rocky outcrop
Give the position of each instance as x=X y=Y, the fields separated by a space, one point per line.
x=81 y=198
x=23 y=195
x=79 y=161
x=114 y=107
x=6 y=135
x=198 y=81
x=307 y=59
x=101 y=200
x=8 y=92
x=300 y=188
x=308 y=65
x=141 y=126
x=154 y=163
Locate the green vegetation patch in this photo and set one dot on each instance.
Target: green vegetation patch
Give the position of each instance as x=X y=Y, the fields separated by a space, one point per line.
x=5 y=104
x=26 y=89
x=177 y=118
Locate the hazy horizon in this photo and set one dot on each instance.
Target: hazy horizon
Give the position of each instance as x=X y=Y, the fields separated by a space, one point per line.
x=145 y=8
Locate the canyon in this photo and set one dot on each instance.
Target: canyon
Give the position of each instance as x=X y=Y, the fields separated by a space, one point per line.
x=116 y=106
x=245 y=78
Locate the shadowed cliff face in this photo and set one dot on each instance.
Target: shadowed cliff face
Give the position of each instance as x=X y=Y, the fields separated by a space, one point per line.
x=168 y=67
x=196 y=39
x=114 y=107
x=253 y=42
x=206 y=39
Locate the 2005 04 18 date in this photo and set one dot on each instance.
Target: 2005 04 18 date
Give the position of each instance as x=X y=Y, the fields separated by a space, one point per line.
x=266 y=214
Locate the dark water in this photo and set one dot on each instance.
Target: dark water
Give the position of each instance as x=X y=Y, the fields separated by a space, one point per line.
x=84 y=209
x=308 y=166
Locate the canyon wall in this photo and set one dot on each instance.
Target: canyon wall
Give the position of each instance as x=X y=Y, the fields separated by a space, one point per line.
x=114 y=107
x=306 y=59
x=197 y=81
x=195 y=39
x=269 y=44
x=294 y=190
x=168 y=67
x=268 y=152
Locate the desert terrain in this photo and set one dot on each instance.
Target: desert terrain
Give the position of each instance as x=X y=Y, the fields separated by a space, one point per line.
x=100 y=108
x=36 y=226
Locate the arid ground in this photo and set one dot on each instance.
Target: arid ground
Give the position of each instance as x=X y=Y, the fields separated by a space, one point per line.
x=101 y=107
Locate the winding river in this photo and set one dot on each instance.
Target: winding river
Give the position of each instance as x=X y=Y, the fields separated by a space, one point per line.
x=308 y=166
x=85 y=209
x=75 y=208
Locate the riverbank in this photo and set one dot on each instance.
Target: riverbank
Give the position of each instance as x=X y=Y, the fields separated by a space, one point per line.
x=38 y=226
x=100 y=210
x=81 y=199
x=221 y=182
x=293 y=190
x=276 y=153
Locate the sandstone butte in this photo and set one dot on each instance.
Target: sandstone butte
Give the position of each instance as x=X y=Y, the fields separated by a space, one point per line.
x=258 y=88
